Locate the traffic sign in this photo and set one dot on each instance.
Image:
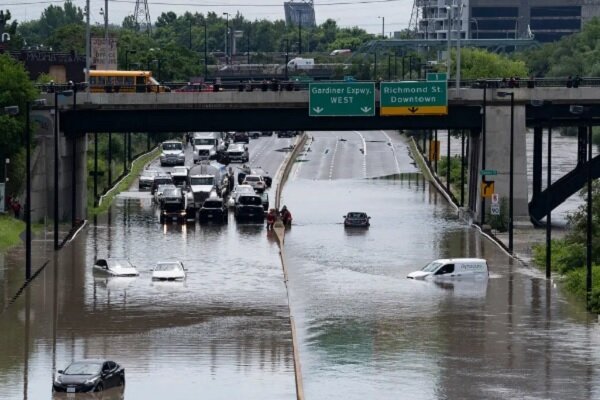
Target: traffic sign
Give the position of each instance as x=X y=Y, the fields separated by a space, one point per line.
x=488 y=172
x=414 y=98
x=495 y=198
x=437 y=76
x=487 y=188
x=495 y=209
x=341 y=99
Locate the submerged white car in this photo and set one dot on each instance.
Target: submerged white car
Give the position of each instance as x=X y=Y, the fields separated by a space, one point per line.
x=452 y=268
x=168 y=271
x=115 y=267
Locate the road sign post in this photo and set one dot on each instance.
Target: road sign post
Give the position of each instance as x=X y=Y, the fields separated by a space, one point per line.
x=414 y=98
x=342 y=99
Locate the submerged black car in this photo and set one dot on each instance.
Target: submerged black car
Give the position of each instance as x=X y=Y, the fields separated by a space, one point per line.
x=89 y=376
x=358 y=219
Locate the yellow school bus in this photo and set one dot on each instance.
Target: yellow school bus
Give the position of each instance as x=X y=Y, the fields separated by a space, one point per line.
x=124 y=81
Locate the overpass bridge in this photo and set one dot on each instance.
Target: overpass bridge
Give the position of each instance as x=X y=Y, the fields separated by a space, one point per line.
x=480 y=111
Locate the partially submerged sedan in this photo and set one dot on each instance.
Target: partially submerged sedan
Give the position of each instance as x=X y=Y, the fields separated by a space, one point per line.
x=89 y=376
x=168 y=271
x=357 y=219
x=115 y=267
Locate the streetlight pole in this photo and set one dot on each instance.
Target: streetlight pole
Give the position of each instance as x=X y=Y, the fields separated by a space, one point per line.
x=511 y=169
x=190 y=35
x=588 y=277
x=287 y=53
x=382 y=27
x=548 y=205
x=449 y=59
x=483 y=145
x=27 y=194
x=205 y=51
x=299 y=31
x=226 y=37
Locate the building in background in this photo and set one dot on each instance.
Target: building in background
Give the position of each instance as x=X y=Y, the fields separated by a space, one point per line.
x=300 y=13
x=545 y=20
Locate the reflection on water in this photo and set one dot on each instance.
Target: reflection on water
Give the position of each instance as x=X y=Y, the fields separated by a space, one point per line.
x=117 y=393
x=366 y=331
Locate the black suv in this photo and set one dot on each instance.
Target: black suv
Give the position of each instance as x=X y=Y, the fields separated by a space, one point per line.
x=249 y=208
x=288 y=134
x=241 y=137
x=213 y=209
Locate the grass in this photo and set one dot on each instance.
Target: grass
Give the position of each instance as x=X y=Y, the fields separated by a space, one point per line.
x=136 y=169
x=10 y=231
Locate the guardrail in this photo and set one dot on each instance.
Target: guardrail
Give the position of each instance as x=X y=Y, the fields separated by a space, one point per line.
x=288 y=85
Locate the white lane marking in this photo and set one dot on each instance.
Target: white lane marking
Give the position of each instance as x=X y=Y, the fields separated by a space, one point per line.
x=337 y=141
x=393 y=150
x=364 y=153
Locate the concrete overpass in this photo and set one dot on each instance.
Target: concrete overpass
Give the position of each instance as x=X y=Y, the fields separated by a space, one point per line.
x=280 y=110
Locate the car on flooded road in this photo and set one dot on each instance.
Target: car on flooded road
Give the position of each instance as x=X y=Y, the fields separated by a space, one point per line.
x=115 y=267
x=146 y=179
x=249 y=207
x=89 y=375
x=213 y=209
x=168 y=271
x=356 y=220
x=452 y=268
x=256 y=181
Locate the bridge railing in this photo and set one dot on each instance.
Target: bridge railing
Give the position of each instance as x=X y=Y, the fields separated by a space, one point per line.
x=277 y=85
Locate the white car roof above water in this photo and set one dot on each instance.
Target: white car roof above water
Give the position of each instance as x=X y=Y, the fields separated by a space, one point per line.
x=460 y=260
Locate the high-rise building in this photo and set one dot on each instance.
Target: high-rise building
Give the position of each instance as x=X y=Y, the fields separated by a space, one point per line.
x=300 y=12
x=544 y=20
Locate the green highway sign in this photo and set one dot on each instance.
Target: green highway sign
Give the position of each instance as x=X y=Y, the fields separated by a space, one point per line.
x=488 y=172
x=437 y=76
x=414 y=98
x=341 y=99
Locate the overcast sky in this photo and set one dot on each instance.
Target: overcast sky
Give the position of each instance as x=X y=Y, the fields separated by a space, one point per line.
x=347 y=13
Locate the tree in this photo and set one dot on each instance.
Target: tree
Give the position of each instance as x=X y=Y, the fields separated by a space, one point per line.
x=15 y=90
x=477 y=63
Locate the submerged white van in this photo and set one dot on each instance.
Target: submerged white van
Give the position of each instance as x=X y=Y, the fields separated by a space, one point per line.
x=445 y=268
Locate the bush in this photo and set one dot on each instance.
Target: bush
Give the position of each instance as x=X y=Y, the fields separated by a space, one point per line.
x=564 y=258
x=575 y=283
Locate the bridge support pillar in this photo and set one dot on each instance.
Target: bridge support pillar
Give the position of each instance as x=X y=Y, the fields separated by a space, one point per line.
x=42 y=174
x=497 y=158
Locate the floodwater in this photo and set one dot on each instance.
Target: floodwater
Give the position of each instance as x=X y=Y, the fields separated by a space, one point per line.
x=223 y=333
x=365 y=331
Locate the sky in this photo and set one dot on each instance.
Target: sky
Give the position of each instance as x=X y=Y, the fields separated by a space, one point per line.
x=347 y=13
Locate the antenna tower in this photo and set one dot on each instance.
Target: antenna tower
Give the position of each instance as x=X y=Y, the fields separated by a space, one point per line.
x=414 y=19
x=142 y=15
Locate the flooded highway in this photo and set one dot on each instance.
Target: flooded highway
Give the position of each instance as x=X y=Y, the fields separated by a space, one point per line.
x=224 y=332
x=365 y=331
x=368 y=332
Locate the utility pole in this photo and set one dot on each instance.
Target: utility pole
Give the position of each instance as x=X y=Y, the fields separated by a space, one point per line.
x=226 y=38
x=106 y=43
x=299 y=31
x=87 y=45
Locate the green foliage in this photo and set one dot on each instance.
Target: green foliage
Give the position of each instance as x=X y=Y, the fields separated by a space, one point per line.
x=15 y=90
x=10 y=231
x=577 y=54
x=478 y=63
x=575 y=284
x=454 y=169
x=564 y=257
